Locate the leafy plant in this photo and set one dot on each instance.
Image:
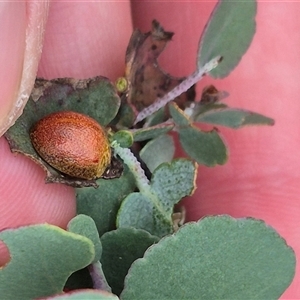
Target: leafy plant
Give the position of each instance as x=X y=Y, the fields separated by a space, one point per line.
x=143 y=251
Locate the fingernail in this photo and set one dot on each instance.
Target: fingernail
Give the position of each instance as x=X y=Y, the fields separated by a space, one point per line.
x=22 y=27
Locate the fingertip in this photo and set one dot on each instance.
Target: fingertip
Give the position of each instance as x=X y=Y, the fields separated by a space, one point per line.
x=25 y=198
x=21 y=35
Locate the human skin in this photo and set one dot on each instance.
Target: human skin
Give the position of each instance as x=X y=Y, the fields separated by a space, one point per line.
x=261 y=177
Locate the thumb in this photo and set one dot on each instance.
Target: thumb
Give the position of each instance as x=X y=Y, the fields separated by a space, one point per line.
x=24 y=197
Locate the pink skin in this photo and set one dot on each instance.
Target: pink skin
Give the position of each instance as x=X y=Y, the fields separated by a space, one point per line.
x=261 y=178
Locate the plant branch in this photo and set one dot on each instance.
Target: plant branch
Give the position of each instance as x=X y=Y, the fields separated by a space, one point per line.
x=178 y=90
x=135 y=167
x=98 y=277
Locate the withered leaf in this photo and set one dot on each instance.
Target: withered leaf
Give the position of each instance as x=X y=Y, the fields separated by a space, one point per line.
x=147 y=81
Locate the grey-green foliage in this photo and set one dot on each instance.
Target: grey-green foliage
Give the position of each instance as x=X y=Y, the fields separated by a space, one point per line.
x=215 y=258
x=102 y=204
x=228 y=33
x=151 y=210
x=173 y=181
x=121 y=248
x=42 y=258
x=230 y=117
x=85 y=225
x=158 y=151
x=206 y=148
x=143 y=134
x=98 y=99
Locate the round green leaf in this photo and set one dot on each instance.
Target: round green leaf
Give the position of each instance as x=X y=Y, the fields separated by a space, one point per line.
x=158 y=151
x=85 y=225
x=42 y=258
x=228 y=33
x=102 y=204
x=178 y=115
x=95 y=97
x=136 y=211
x=144 y=212
x=206 y=148
x=121 y=248
x=125 y=116
x=152 y=209
x=215 y=258
x=173 y=181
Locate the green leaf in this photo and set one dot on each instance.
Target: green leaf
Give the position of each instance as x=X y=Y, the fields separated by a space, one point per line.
x=228 y=33
x=102 y=204
x=86 y=295
x=148 y=133
x=124 y=138
x=94 y=97
x=178 y=115
x=42 y=258
x=152 y=210
x=221 y=114
x=234 y=118
x=156 y=118
x=144 y=212
x=85 y=225
x=215 y=258
x=173 y=181
x=158 y=151
x=136 y=211
x=201 y=108
x=121 y=248
x=206 y=148
x=125 y=117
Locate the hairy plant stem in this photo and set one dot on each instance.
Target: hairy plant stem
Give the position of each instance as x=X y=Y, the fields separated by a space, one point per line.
x=141 y=180
x=178 y=90
x=135 y=167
